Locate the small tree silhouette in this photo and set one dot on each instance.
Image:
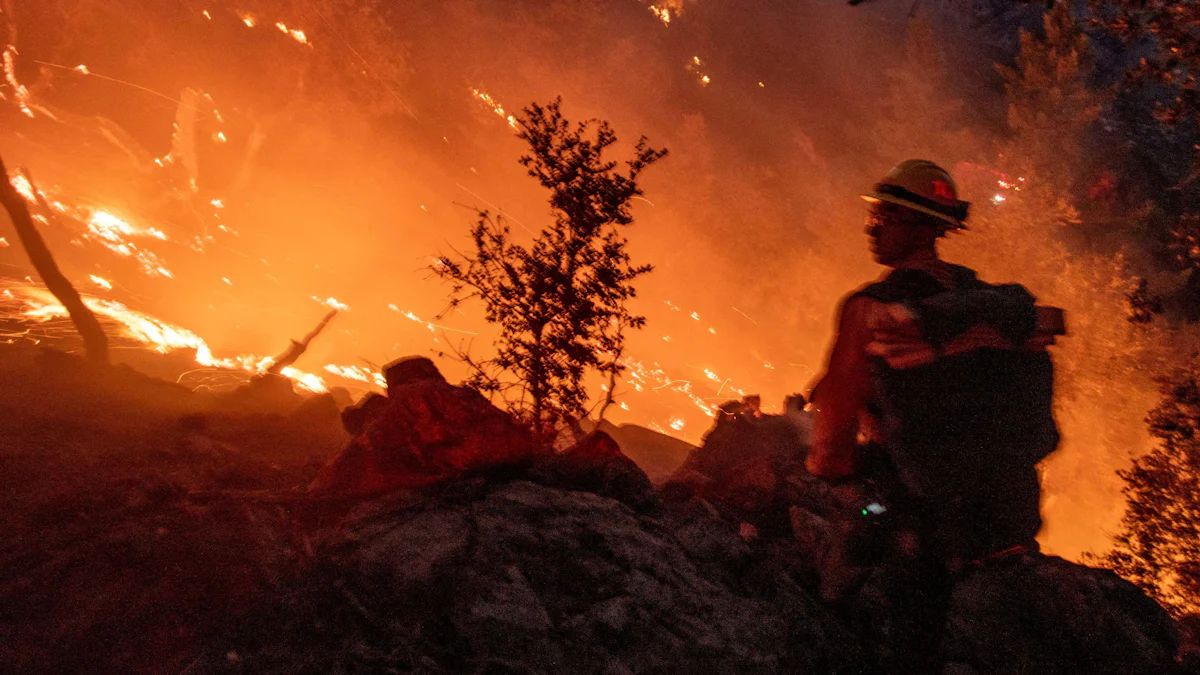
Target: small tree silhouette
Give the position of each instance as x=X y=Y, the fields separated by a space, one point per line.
x=560 y=302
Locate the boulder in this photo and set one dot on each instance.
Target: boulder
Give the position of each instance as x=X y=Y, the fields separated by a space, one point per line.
x=596 y=464
x=658 y=454
x=424 y=431
x=408 y=370
x=743 y=463
x=356 y=417
x=519 y=577
x=1043 y=614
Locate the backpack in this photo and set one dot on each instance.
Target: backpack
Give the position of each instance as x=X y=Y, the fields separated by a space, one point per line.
x=964 y=431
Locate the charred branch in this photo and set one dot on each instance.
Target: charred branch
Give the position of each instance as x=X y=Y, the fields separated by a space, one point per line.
x=297 y=349
x=95 y=342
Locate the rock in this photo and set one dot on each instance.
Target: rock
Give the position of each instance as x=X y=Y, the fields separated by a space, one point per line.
x=743 y=463
x=426 y=431
x=1043 y=614
x=531 y=578
x=408 y=370
x=266 y=393
x=356 y=417
x=596 y=464
x=322 y=408
x=659 y=455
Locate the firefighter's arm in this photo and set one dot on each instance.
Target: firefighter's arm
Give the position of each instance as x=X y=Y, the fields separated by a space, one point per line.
x=841 y=394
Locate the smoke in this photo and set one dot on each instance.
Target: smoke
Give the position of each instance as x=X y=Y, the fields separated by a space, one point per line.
x=343 y=162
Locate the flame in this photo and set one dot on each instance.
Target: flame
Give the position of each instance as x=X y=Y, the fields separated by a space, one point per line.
x=359 y=374
x=23 y=187
x=20 y=93
x=3 y=242
x=248 y=19
x=101 y=282
x=695 y=66
x=640 y=376
x=163 y=337
x=297 y=35
x=304 y=380
x=496 y=107
x=666 y=10
x=332 y=303
x=114 y=233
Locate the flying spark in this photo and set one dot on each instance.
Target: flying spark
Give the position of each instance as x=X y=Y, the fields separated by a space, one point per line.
x=359 y=374
x=332 y=303
x=297 y=35
x=115 y=234
x=162 y=336
x=495 y=106
x=20 y=93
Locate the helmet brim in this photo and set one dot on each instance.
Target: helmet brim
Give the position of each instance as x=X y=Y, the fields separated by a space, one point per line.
x=954 y=223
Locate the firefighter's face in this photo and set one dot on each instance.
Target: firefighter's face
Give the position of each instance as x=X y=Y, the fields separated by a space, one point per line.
x=897 y=232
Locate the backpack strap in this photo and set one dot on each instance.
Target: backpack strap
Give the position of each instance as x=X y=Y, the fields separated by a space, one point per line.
x=912 y=284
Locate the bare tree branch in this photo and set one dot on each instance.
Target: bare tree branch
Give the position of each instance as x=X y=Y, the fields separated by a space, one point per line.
x=95 y=342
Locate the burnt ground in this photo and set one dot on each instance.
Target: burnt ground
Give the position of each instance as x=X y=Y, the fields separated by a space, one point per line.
x=148 y=528
x=130 y=508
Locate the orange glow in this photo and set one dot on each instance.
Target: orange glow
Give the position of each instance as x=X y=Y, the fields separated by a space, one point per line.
x=334 y=205
x=23 y=187
x=161 y=336
x=20 y=93
x=297 y=35
x=115 y=234
x=332 y=303
x=496 y=107
x=358 y=373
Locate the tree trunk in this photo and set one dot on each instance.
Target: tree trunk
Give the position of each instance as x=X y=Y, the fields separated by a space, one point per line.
x=608 y=396
x=297 y=349
x=95 y=343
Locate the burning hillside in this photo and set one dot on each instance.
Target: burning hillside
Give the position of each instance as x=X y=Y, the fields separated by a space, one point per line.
x=216 y=177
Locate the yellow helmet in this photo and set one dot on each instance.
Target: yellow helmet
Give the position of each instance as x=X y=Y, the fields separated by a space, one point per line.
x=923 y=186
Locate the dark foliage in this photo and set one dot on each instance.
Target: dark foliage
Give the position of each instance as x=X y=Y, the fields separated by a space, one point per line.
x=560 y=302
x=1143 y=306
x=1175 y=61
x=1158 y=546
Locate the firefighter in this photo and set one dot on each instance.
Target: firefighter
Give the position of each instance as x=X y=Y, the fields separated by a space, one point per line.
x=931 y=415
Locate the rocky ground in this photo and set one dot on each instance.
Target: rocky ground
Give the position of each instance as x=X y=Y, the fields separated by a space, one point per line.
x=151 y=529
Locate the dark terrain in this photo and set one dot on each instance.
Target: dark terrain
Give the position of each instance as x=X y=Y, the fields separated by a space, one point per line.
x=151 y=529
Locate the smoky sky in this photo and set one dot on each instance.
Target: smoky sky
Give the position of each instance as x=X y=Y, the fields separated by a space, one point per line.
x=349 y=162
